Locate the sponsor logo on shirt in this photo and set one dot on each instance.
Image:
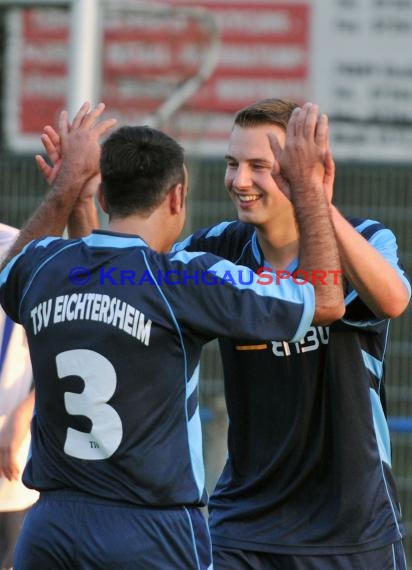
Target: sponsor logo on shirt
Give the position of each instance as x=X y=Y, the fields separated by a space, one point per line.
x=312 y=340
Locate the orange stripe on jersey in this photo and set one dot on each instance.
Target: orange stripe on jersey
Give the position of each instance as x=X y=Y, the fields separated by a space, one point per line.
x=251 y=346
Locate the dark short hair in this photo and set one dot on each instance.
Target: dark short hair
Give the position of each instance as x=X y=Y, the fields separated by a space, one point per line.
x=138 y=166
x=266 y=111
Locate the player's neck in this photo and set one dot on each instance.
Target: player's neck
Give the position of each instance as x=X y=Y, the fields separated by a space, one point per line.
x=144 y=227
x=279 y=244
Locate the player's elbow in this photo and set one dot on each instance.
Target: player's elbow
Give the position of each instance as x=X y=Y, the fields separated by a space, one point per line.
x=329 y=304
x=394 y=305
x=327 y=314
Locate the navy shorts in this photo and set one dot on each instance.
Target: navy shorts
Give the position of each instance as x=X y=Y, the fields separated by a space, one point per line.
x=67 y=530
x=390 y=557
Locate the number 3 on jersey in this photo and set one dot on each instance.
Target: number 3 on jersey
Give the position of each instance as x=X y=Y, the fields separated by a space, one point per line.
x=100 y=381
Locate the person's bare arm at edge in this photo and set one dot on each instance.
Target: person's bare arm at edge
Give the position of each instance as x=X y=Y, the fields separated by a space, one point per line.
x=12 y=435
x=374 y=279
x=301 y=164
x=84 y=217
x=80 y=147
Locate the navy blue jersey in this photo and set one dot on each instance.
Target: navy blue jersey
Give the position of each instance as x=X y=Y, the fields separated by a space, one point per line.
x=115 y=332
x=309 y=462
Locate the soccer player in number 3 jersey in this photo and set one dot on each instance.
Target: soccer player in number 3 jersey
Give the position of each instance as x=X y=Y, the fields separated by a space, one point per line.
x=115 y=343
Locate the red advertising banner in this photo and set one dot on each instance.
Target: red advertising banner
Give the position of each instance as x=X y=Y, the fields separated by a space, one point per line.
x=146 y=58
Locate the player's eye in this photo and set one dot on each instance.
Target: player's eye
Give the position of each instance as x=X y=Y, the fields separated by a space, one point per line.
x=260 y=166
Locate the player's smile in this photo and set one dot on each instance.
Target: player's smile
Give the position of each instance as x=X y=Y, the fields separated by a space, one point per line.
x=245 y=200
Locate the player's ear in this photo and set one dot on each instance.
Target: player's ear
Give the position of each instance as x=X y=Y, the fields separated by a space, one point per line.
x=102 y=199
x=176 y=198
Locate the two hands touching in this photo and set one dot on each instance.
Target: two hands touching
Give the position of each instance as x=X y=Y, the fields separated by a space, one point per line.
x=78 y=141
x=306 y=157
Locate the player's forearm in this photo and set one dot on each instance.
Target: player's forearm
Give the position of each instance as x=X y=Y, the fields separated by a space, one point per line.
x=83 y=219
x=371 y=275
x=24 y=411
x=13 y=433
x=319 y=251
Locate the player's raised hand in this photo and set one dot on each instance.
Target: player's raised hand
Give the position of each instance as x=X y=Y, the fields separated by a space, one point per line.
x=50 y=169
x=85 y=120
x=302 y=160
x=79 y=142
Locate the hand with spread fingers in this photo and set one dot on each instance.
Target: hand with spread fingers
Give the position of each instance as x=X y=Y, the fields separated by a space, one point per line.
x=82 y=134
x=302 y=160
x=83 y=218
x=79 y=142
x=306 y=155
